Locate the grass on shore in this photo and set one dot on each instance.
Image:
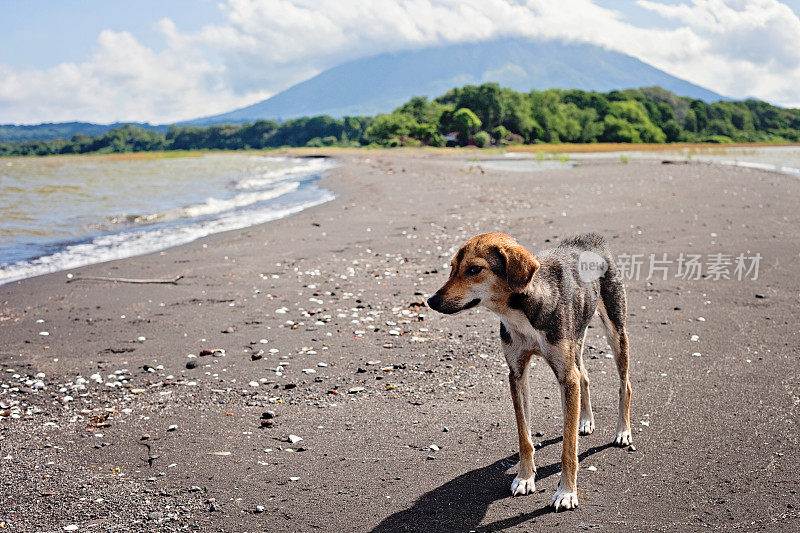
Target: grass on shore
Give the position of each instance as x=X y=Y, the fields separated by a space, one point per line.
x=540 y=150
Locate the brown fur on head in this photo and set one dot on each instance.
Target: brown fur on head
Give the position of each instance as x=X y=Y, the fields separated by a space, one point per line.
x=488 y=268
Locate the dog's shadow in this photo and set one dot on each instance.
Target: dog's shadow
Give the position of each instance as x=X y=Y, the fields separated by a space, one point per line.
x=461 y=504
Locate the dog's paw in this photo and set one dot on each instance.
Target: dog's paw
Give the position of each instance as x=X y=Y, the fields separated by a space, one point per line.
x=564 y=500
x=623 y=438
x=521 y=486
x=586 y=426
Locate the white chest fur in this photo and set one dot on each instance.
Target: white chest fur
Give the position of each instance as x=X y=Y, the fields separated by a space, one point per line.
x=523 y=334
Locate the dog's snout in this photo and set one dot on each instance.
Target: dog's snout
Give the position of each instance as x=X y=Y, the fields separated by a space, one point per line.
x=435 y=301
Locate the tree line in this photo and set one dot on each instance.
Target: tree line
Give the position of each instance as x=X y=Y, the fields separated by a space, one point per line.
x=62 y=130
x=480 y=115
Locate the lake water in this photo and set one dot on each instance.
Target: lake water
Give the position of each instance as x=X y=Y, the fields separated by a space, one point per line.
x=63 y=212
x=783 y=159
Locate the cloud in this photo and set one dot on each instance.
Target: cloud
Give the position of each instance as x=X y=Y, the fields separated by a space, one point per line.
x=297 y=38
x=744 y=48
x=738 y=48
x=123 y=80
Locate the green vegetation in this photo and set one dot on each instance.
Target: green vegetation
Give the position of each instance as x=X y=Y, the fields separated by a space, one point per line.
x=482 y=115
x=62 y=130
x=314 y=131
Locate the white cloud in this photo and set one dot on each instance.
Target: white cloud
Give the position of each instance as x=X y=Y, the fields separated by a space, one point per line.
x=738 y=48
x=745 y=48
x=123 y=80
x=270 y=41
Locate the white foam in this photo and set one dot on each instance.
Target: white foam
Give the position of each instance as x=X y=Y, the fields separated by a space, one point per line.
x=267 y=186
x=132 y=243
x=302 y=167
x=181 y=225
x=213 y=206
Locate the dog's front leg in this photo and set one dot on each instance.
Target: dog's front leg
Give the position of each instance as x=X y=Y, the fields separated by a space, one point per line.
x=569 y=378
x=518 y=362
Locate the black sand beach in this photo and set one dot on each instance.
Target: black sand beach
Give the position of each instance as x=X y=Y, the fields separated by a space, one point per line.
x=370 y=380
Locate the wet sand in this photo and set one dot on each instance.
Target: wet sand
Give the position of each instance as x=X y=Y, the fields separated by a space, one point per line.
x=370 y=380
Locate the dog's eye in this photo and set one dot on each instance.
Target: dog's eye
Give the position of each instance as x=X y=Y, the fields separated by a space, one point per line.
x=474 y=270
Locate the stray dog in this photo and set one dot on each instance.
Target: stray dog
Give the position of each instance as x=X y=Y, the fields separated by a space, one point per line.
x=545 y=303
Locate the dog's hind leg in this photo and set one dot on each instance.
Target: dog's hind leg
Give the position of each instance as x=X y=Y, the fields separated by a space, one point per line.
x=518 y=362
x=622 y=358
x=614 y=323
x=586 y=425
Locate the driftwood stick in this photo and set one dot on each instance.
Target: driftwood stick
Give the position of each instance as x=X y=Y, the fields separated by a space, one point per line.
x=173 y=281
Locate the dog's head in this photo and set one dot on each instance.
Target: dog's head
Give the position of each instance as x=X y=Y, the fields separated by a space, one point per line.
x=487 y=269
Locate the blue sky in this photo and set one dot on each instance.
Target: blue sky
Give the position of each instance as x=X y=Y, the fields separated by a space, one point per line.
x=44 y=33
x=163 y=61
x=643 y=17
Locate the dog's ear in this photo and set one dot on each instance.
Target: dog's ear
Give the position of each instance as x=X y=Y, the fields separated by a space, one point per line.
x=514 y=263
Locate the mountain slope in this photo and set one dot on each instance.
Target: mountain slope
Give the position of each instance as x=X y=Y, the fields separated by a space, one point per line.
x=380 y=83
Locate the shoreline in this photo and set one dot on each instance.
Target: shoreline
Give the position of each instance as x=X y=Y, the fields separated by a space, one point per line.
x=252 y=194
x=331 y=151
x=327 y=287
